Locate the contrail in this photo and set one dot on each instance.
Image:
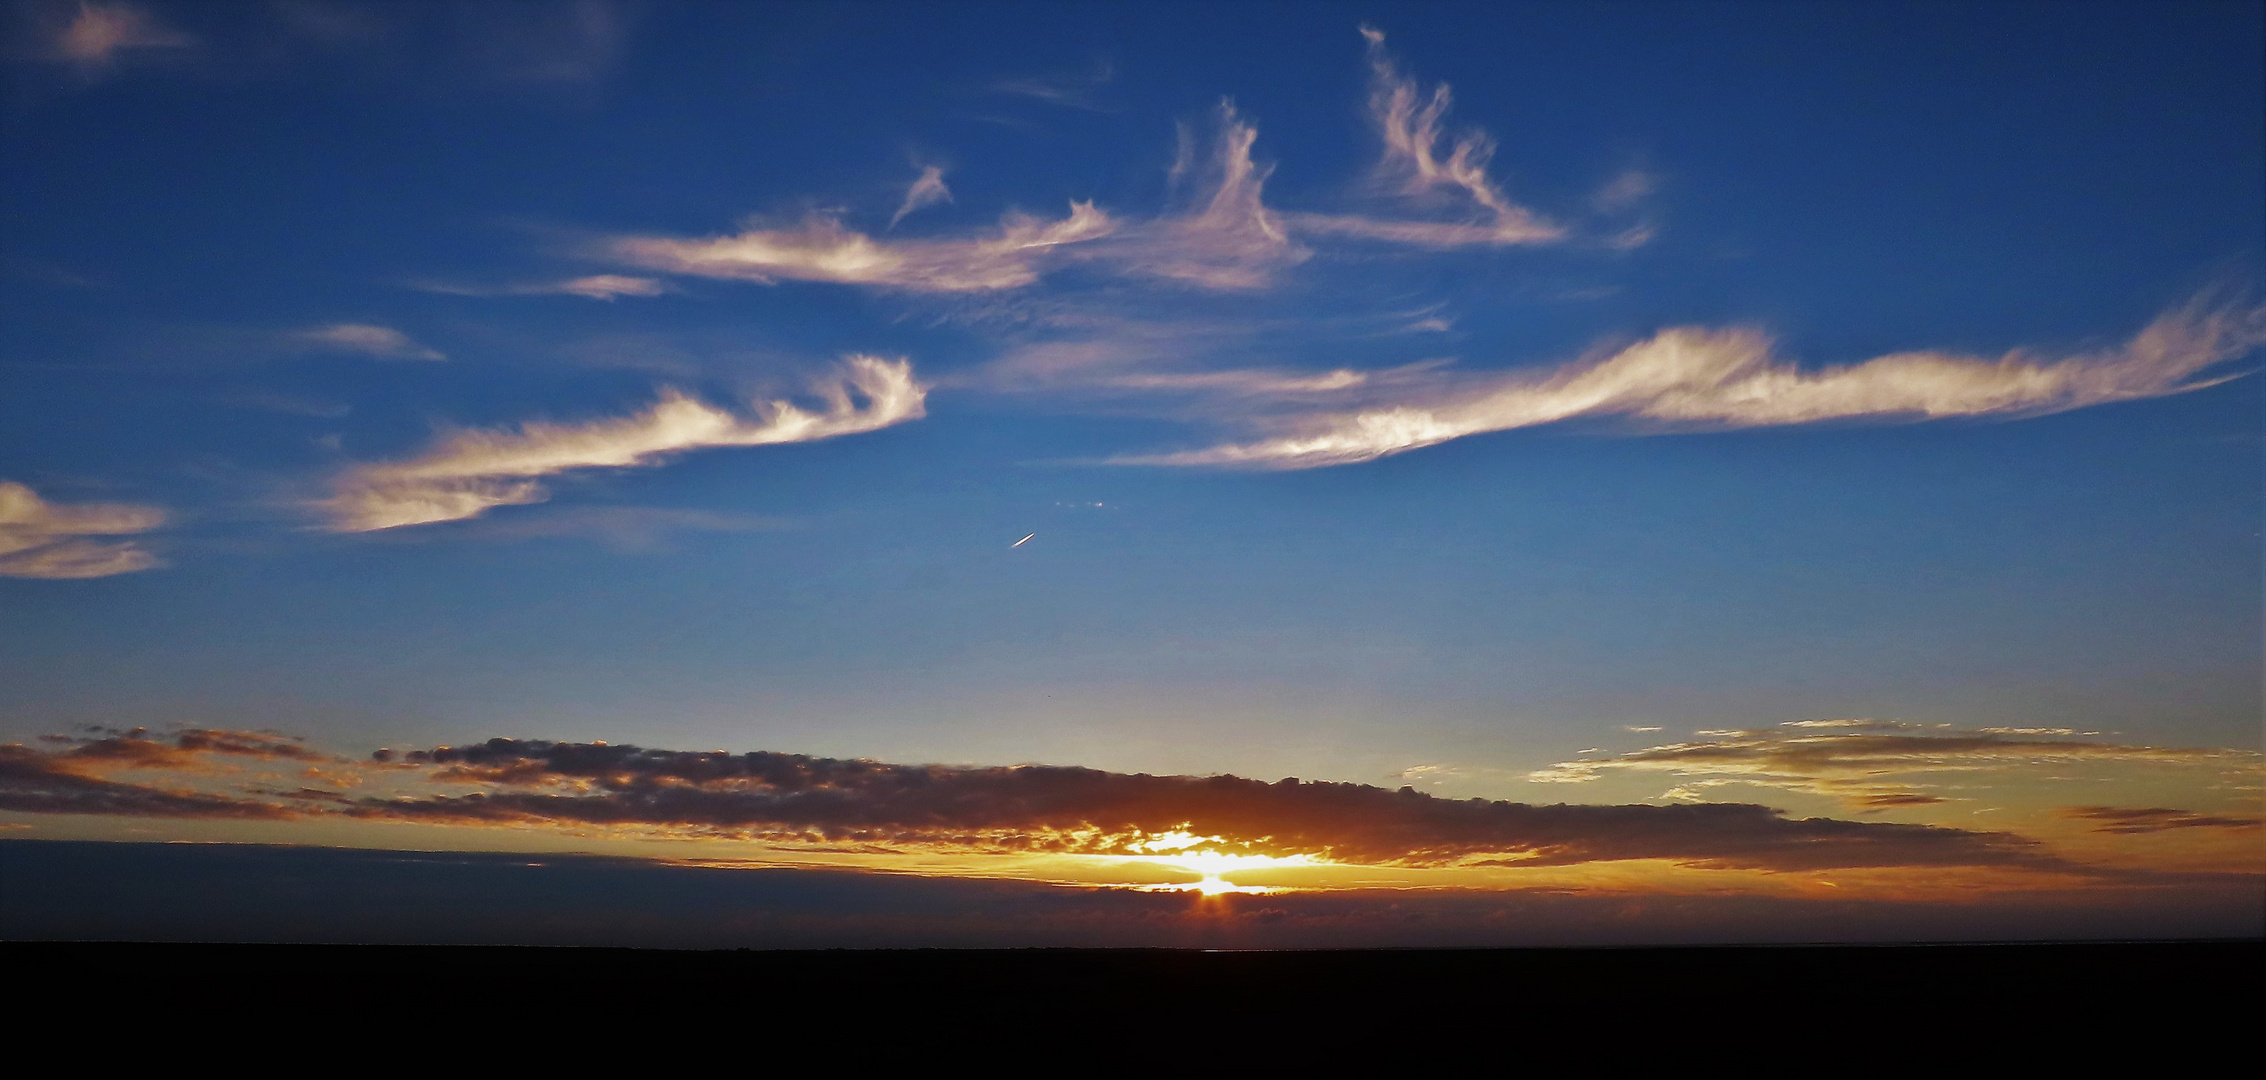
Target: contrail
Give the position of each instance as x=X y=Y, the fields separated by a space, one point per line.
x=1019 y=543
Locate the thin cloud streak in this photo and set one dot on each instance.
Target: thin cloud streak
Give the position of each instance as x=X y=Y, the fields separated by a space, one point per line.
x=40 y=539
x=1872 y=764
x=2153 y=819
x=382 y=342
x=928 y=190
x=97 y=36
x=821 y=248
x=472 y=471
x=1696 y=377
x=594 y=286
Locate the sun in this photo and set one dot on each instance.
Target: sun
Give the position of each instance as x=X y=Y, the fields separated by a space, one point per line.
x=1182 y=850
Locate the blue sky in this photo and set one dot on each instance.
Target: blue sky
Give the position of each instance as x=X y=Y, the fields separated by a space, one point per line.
x=265 y=262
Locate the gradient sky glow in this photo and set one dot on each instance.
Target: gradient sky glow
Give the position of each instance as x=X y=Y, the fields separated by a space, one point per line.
x=1543 y=403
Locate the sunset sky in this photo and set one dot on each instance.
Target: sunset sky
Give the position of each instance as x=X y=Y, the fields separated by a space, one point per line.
x=1776 y=453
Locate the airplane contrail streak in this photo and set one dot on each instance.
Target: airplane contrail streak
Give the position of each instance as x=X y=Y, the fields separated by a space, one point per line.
x=1019 y=543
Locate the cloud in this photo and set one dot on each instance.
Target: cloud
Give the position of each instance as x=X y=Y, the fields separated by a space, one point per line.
x=927 y=190
x=821 y=248
x=288 y=404
x=72 y=780
x=41 y=783
x=1225 y=237
x=2130 y=820
x=813 y=804
x=99 y=34
x=40 y=539
x=470 y=471
x=383 y=342
x=1690 y=377
x=790 y=798
x=1416 y=165
x=1069 y=89
x=595 y=286
x=622 y=528
x=1870 y=764
x=1625 y=190
x=181 y=749
x=573 y=42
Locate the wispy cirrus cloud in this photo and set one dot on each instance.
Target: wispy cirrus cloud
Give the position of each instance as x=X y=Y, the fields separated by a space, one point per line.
x=1225 y=237
x=593 y=286
x=822 y=248
x=1071 y=89
x=1696 y=377
x=98 y=35
x=367 y=339
x=470 y=472
x=927 y=190
x=1423 y=163
x=40 y=539
x=1878 y=764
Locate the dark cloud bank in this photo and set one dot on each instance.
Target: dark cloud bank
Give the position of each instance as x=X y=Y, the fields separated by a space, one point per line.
x=792 y=798
x=221 y=892
x=1059 y=808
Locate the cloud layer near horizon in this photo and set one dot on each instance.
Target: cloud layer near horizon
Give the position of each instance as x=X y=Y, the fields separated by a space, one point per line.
x=469 y=472
x=796 y=800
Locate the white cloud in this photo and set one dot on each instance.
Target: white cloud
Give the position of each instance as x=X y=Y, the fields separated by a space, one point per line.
x=383 y=342
x=1625 y=190
x=96 y=36
x=471 y=471
x=594 y=286
x=1693 y=376
x=1227 y=238
x=1224 y=238
x=927 y=190
x=40 y=539
x=822 y=249
x=1421 y=162
x=1876 y=764
x=1071 y=89
x=607 y=286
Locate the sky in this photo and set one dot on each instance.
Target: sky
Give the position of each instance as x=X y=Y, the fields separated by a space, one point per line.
x=1650 y=450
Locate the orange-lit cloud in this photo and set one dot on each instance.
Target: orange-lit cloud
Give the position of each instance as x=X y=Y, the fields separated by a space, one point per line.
x=470 y=472
x=75 y=779
x=2128 y=820
x=824 y=808
x=792 y=798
